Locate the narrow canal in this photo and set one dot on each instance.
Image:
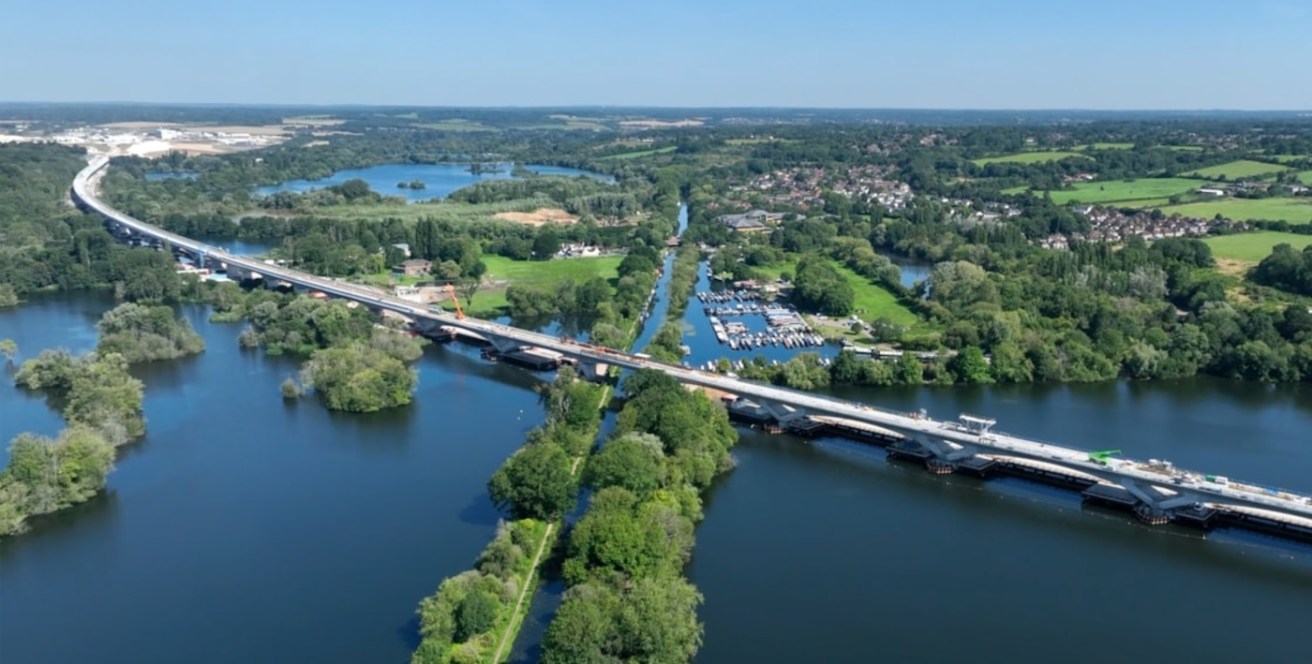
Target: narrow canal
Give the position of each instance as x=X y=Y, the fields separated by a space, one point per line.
x=527 y=647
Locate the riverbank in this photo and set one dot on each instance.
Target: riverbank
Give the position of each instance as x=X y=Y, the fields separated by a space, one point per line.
x=569 y=428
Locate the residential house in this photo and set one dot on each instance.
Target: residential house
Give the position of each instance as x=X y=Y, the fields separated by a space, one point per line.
x=415 y=267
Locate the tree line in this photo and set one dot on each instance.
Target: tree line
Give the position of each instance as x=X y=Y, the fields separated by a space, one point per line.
x=627 y=599
x=536 y=486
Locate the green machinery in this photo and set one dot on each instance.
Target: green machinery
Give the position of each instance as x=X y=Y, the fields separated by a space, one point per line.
x=1101 y=456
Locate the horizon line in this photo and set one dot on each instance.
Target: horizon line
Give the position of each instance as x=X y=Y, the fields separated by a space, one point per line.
x=358 y=105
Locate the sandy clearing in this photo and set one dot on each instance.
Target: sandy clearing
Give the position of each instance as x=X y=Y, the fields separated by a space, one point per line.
x=1232 y=267
x=539 y=217
x=202 y=148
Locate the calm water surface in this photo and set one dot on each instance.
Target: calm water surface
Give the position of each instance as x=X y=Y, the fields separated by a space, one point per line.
x=825 y=551
x=439 y=179
x=299 y=535
x=245 y=529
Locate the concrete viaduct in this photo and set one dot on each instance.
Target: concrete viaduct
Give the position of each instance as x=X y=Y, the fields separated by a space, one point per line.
x=1159 y=492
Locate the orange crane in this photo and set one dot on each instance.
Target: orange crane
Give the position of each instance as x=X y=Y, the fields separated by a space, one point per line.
x=451 y=290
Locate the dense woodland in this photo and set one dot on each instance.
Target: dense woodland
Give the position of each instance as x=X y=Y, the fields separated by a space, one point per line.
x=47 y=244
x=627 y=598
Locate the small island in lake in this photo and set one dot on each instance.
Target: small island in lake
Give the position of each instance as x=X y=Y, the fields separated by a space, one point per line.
x=415 y=184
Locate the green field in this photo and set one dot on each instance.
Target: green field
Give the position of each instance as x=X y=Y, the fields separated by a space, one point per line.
x=1237 y=170
x=490 y=301
x=1106 y=146
x=1113 y=191
x=1305 y=177
x=1282 y=158
x=1253 y=247
x=1296 y=210
x=1146 y=203
x=871 y=301
x=1031 y=157
x=638 y=153
x=547 y=273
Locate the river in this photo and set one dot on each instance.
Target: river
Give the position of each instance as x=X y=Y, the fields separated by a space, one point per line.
x=245 y=529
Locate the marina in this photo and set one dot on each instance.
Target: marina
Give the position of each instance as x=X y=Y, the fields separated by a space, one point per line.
x=784 y=326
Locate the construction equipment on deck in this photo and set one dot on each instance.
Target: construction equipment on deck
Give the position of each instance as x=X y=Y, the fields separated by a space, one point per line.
x=451 y=290
x=1100 y=457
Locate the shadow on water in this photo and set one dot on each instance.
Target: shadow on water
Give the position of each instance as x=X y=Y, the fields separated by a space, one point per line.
x=1051 y=508
x=100 y=511
x=480 y=512
x=528 y=647
x=408 y=633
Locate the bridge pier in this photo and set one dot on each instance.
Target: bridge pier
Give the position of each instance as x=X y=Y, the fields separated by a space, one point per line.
x=590 y=370
x=503 y=344
x=781 y=412
x=1156 y=508
x=940 y=456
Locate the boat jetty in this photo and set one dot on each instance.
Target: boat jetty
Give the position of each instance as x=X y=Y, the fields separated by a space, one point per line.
x=785 y=327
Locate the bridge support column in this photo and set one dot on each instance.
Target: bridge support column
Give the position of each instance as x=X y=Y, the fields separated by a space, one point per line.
x=590 y=370
x=1155 y=507
x=781 y=412
x=944 y=450
x=504 y=344
x=940 y=456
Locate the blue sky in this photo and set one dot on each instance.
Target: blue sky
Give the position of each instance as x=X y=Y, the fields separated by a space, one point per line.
x=1104 y=54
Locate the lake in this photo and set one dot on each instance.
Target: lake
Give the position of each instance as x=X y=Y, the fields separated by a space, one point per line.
x=439 y=179
x=825 y=551
x=296 y=534
x=290 y=532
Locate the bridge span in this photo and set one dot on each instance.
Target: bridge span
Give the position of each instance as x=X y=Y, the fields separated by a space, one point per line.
x=1158 y=492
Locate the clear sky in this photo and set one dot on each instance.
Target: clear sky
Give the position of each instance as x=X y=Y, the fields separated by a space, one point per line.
x=1096 y=54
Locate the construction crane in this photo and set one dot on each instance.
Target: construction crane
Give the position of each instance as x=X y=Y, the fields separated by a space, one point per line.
x=1101 y=456
x=451 y=290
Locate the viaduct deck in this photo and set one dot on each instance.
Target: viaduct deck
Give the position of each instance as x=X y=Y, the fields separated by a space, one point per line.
x=1159 y=486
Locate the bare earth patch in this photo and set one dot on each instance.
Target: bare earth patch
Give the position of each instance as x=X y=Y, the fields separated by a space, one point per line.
x=539 y=217
x=198 y=148
x=1232 y=267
